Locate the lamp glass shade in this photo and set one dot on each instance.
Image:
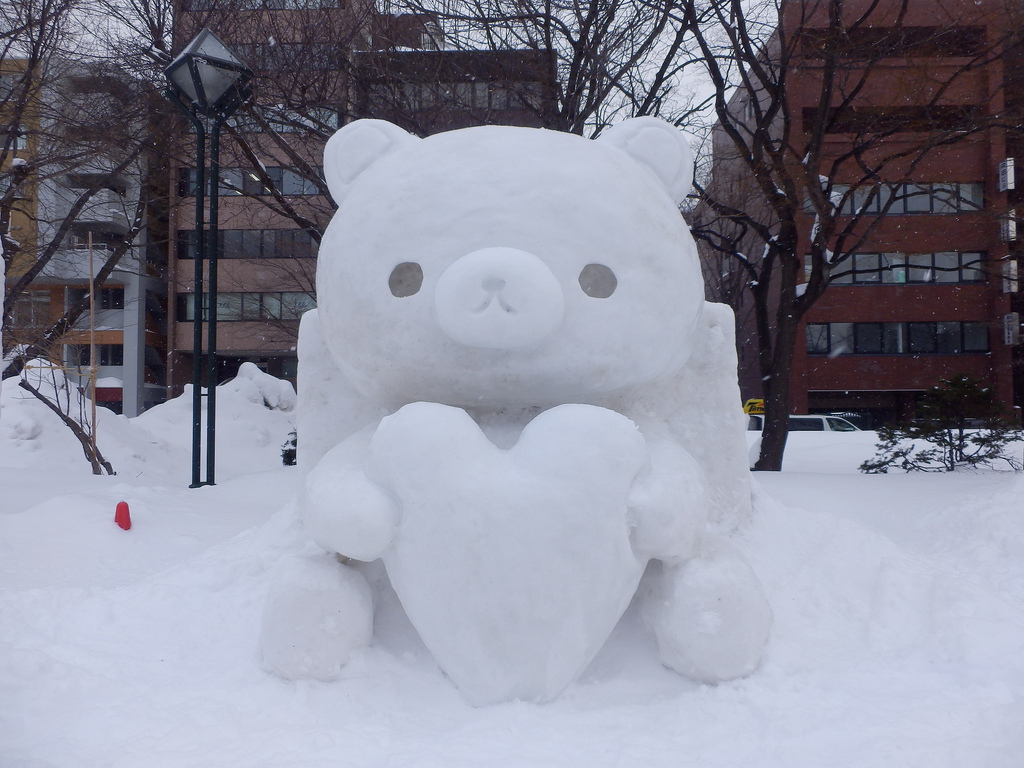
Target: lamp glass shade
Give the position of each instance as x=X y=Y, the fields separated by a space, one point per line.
x=207 y=72
x=180 y=75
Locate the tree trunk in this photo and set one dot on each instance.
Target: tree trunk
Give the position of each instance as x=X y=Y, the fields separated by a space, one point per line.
x=776 y=383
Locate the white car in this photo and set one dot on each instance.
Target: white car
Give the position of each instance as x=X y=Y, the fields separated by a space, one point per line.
x=811 y=423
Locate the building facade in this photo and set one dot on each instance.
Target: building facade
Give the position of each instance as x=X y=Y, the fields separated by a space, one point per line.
x=318 y=66
x=928 y=290
x=84 y=215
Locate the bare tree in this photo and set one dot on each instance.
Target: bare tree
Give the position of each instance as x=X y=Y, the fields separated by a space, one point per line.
x=606 y=59
x=776 y=166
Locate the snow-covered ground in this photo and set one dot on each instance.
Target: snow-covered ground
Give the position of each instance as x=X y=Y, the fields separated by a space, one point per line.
x=898 y=639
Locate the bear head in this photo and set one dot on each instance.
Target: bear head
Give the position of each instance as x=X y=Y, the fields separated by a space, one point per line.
x=507 y=267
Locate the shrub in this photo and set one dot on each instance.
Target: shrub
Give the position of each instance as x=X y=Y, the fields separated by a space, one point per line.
x=289 y=449
x=963 y=425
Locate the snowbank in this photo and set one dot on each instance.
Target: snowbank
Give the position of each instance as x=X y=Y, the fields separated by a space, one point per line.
x=898 y=641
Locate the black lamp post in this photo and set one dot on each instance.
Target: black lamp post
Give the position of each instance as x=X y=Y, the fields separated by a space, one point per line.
x=208 y=82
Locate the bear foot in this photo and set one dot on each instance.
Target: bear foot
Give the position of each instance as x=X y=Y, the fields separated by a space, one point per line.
x=710 y=615
x=317 y=613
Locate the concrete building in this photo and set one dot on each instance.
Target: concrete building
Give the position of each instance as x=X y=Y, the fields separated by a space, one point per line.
x=86 y=194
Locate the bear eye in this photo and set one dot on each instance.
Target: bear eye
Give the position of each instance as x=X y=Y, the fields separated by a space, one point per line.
x=405 y=279
x=597 y=281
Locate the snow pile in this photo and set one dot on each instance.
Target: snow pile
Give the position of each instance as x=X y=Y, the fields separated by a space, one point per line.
x=259 y=387
x=898 y=639
x=255 y=413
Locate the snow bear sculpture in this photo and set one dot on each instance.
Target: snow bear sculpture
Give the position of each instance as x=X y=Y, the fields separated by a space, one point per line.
x=514 y=395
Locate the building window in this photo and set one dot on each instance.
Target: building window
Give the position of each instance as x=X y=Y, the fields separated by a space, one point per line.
x=13 y=138
x=106 y=354
x=101 y=241
x=111 y=298
x=97 y=181
x=235 y=181
x=914 y=338
x=107 y=298
x=250 y=306
x=907 y=199
x=863 y=42
x=32 y=310
x=253 y=244
x=876 y=120
x=817 y=339
x=910 y=268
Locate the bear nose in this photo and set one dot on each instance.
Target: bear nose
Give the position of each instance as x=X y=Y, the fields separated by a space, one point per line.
x=493 y=284
x=498 y=298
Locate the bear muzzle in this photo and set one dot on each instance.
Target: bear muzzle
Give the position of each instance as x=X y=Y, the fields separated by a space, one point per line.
x=498 y=298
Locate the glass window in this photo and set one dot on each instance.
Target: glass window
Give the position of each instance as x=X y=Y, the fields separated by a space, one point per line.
x=814 y=424
x=293 y=305
x=894 y=268
x=947 y=267
x=250 y=306
x=921 y=337
x=975 y=337
x=110 y=354
x=251 y=239
x=840 y=425
x=276 y=176
x=970 y=267
x=500 y=97
x=947 y=338
x=111 y=298
x=295 y=184
x=268 y=243
x=231 y=182
x=865 y=268
x=305 y=247
x=920 y=268
x=945 y=198
x=231 y=243
x=867 y=338
x=838 y=274
x=251 y=184
x=186 y=307
x=839 y=191
x=894 y=339
x=77 y=354
x=817 y=339
x=229 y=306
x=841 y=338
x=885 y=195
x=972 y=197
x=186 y=244
x=528 y=94
x=865 y=200
x=285 y=243
x=917 y=198
x=272 y=306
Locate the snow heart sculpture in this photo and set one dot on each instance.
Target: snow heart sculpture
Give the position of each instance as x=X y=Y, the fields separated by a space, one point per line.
x=514 y=395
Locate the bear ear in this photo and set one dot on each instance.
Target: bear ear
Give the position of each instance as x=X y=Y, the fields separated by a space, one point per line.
x=658 y=146
x=355 y=148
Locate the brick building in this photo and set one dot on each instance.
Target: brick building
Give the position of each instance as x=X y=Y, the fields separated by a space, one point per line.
x=925 y=295
x=319 y=64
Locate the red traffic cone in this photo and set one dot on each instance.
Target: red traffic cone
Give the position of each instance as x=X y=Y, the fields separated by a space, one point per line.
x=122 y=516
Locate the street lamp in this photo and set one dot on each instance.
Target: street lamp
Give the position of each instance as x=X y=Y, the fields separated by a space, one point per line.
x=208 y=83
